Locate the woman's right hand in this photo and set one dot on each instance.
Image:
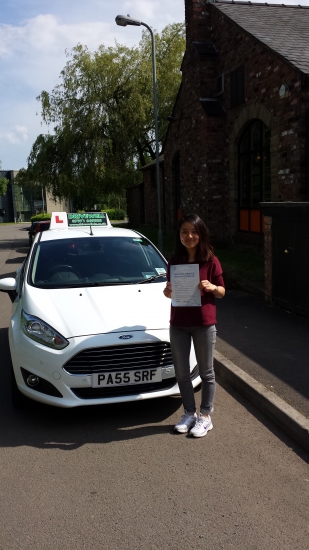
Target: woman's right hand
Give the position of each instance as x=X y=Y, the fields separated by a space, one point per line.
x=168 y=290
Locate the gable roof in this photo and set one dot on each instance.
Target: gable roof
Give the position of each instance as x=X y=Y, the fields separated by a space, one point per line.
x=284 y=29
x=152 y=163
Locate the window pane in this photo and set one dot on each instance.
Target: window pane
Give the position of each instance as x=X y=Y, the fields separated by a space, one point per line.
x=244 y=220
x=245 y=142
x=256 y=136
x=256 y=167
x=254 y=173
x=266 y=176
x=266 y=137
x=244 y=181
x=255 y=221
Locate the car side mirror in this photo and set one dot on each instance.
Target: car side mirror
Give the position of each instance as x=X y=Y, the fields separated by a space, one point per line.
x=9 y=285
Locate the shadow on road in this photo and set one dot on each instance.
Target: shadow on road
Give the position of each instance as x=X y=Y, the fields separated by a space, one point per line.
x=68 y=429
x=13 y=245
x=266 y=336
x=43 y=427
x=6 y=275
x=16 y=260
x=273 y=428
x=261 y=339
x=46 y=427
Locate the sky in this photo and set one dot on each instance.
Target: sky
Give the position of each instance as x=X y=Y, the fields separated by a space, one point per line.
x=34 y=37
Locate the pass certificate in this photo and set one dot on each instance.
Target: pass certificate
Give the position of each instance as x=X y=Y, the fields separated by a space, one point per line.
x=185 y=279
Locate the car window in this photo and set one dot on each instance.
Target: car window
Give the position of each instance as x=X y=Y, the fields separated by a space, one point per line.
x=95 y=261
x=20 y=276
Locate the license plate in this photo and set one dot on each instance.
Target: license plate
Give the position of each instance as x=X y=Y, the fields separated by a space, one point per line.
x=125 y=378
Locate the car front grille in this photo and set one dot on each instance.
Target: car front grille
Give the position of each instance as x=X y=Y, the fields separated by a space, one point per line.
x=133 y=389
x=119 y=391
x=115 y=358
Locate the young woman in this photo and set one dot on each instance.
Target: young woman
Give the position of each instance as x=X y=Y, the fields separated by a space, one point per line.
x=195 y=323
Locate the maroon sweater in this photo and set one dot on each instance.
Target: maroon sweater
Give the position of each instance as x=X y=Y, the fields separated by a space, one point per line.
x=205 y=314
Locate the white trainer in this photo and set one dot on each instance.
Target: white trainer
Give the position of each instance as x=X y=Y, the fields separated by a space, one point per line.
x=202 y=426
x=185 y=423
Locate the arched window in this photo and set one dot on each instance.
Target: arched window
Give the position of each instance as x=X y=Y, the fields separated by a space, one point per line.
x=254 y=175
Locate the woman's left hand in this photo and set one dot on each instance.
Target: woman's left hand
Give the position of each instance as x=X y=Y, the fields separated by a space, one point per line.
x=207 y=286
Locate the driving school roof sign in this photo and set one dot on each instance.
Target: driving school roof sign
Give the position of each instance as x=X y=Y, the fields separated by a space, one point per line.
x=88 y=218
x=62 y=220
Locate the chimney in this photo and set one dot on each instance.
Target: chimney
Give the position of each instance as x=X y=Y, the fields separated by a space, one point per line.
x=197 y=15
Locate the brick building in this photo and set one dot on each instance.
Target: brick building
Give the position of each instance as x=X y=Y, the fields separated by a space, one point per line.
x=21 y=202
x=239 y=134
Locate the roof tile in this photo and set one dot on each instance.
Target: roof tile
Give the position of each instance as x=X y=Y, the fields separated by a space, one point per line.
x=284 y=29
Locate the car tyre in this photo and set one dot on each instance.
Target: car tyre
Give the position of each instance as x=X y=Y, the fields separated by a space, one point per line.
x=19 y=400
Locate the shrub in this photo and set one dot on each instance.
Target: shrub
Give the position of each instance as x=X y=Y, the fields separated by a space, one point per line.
x=40 y=217
x=115 y=214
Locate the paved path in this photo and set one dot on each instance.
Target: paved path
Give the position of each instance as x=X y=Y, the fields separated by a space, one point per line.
x=267 y=342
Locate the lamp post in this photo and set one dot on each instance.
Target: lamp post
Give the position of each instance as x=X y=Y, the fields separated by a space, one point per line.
x=123 y=21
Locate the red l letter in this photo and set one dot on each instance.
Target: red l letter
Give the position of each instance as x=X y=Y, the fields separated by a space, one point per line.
x=58 y=220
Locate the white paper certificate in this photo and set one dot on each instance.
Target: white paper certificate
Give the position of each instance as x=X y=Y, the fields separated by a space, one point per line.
x=185 y=279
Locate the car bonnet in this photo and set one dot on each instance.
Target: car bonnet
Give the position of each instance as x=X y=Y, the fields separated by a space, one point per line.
x=87 y=311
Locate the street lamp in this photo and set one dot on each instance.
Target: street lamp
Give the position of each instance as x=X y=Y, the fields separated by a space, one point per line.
x=123 y=21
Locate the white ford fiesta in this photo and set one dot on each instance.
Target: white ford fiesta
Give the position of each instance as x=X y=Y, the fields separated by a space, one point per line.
x=90 y=323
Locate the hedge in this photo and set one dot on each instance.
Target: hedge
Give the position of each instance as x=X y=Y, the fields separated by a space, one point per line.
x=115 y=214
x=40 y=217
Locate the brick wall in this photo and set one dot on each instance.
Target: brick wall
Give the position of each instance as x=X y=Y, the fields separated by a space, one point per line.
x=135 y=204
x=150 y=194
x=208 y=146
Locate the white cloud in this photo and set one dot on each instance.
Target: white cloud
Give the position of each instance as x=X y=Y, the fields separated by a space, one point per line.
x=156 y=13
x=32 y=53
x=22 y=131
x=46 y=35
x=18 y=134
x=11 y=137
x=144 y=11
x=19 y=129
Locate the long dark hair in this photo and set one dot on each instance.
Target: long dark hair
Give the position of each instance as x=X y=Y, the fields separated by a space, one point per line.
x=204 y=251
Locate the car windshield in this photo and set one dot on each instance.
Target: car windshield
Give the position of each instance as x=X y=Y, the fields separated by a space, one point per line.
x=96 y=261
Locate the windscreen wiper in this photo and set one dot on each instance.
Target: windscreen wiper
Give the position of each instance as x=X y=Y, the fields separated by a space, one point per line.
x=150 y=279
x=83 y=285
x=106 y=283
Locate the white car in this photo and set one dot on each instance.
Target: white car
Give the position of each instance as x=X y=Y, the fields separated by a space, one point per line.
x=90 y=323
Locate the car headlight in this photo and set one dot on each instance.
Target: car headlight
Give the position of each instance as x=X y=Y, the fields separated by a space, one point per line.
x=41 y=332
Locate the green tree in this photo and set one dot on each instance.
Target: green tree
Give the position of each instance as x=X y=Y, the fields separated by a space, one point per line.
x=3 y=183
x=103 y=119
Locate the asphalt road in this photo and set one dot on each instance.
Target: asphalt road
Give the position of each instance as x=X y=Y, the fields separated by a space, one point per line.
x=118 y=477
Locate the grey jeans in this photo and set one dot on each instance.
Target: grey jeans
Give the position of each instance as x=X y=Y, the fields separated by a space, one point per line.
x=204 y=339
